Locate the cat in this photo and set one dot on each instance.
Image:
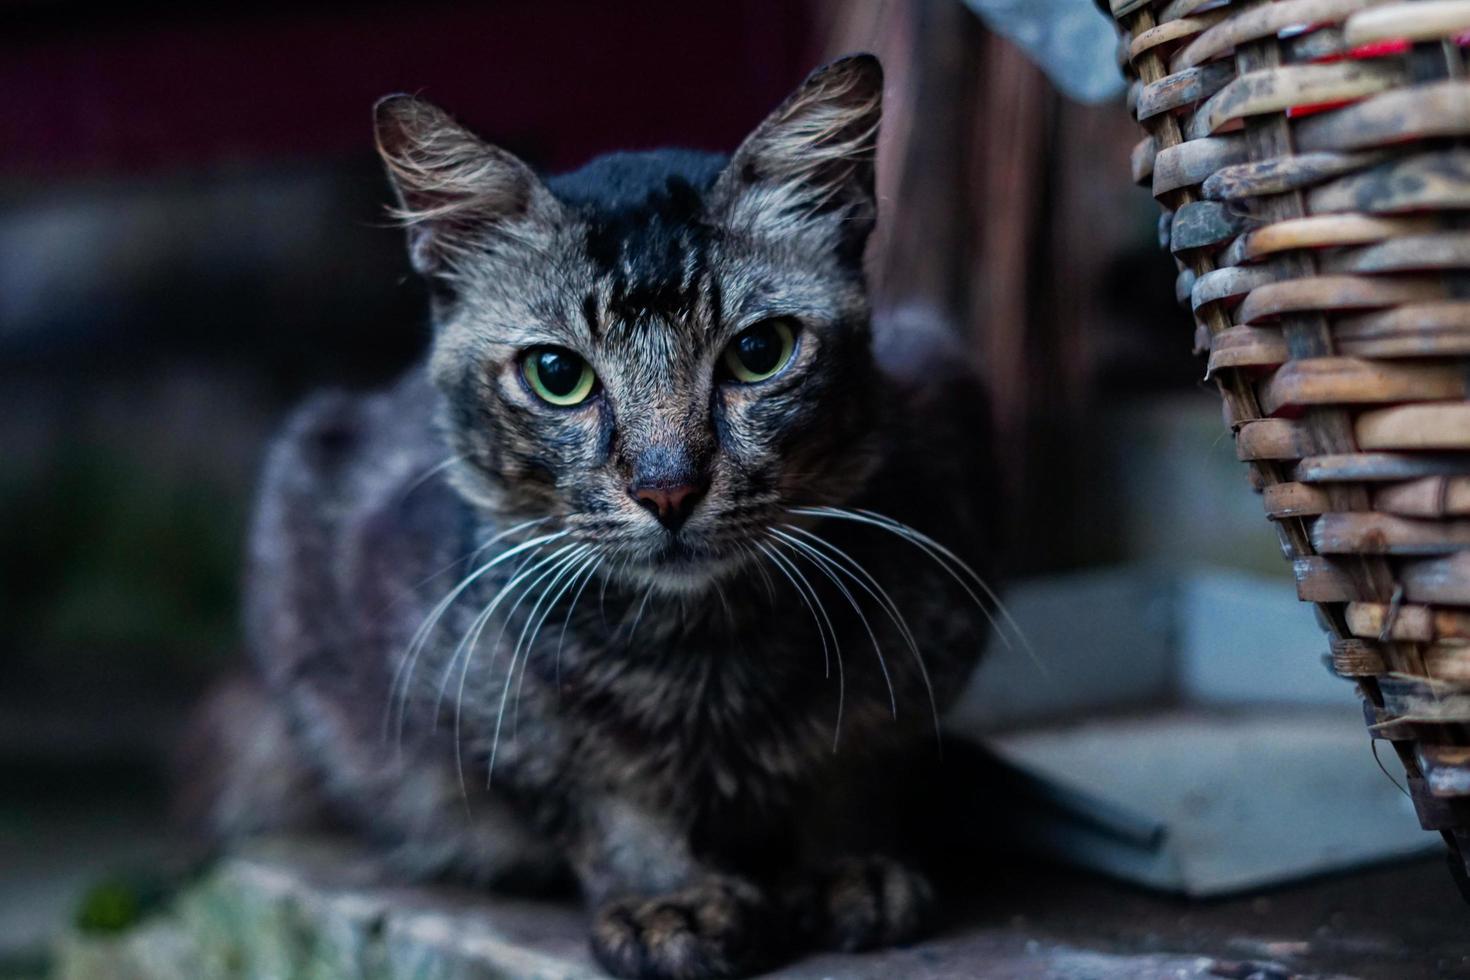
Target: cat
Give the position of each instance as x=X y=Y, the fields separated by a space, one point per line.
x=657 y=573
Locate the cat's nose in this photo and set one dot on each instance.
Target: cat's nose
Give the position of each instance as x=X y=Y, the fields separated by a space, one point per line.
x=670 y=504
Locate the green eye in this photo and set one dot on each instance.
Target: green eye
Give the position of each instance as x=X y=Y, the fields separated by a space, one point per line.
x=558 y=376
x=761 y=351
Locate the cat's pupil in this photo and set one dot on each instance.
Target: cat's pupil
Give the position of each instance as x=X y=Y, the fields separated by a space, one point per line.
x=759 y=349
x=559 y=371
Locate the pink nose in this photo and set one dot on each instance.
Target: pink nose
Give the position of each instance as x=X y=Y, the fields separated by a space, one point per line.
x=670 y=504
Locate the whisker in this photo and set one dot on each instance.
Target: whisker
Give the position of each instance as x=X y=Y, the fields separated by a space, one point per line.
x=562 y=639
x=467 y=645
x=885 y=601
x=789 y=569
x=821 y=563
x=572 y=573
x=402 y=675
x=510 y=670
x=647 y=594
x=432 y=472
x=612 y=571
x=938 y=553
x=529 y=565
x=765 y=577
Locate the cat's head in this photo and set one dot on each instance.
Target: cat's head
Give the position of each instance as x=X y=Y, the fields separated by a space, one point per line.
x=661 y=351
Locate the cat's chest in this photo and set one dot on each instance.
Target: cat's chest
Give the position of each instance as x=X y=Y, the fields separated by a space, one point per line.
x=702 y=718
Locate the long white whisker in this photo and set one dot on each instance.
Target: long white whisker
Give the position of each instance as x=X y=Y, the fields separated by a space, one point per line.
x=885 y=601
x=562 y=561
x=467 y=646
x=562 y=639
x=612 y=571
x=938 y=553
x=432 y=472
x=529 y=565
x=789 y=569
x=822 y=563
x=647 y=594
x=402 y=675
x=765 y=577
x=571 y=572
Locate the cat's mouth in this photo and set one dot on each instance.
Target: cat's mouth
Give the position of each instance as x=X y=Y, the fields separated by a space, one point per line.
x=683 y=566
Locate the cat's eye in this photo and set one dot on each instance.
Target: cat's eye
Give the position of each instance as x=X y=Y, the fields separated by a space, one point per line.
x=761 y=351
x=558 y=376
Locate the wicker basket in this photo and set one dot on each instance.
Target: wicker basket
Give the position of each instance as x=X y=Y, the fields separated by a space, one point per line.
x=1312 y=160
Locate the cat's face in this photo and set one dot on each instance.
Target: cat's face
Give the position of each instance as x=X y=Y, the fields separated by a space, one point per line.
x=661 y=352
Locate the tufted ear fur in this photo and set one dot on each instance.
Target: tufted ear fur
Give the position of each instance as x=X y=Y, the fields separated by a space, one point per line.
x=456 y=193
x=808 y=168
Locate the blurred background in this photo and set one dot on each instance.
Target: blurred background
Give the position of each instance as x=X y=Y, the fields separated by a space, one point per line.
x=192 y=236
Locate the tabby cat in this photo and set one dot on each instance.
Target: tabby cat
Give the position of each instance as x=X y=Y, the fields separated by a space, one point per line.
x=638 y=579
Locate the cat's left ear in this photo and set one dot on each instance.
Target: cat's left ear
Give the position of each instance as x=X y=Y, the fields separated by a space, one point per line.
x=807 y=170
x=458 y=196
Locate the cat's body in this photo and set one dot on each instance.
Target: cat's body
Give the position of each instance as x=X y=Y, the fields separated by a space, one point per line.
x=652 y=701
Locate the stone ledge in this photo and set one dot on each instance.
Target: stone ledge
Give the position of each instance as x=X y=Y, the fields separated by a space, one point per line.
x=324 y=911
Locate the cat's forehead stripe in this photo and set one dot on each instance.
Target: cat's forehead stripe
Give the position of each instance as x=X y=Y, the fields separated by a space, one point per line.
x=644 y=238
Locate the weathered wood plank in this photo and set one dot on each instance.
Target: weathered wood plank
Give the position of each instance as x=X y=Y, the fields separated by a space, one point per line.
x=1370 y=533
x=1410 y=253
x=1173 y=31
x=1321 y=579
x=1430 y=496
x=1201 y=224
x=1281 y=174
x=1263 y=21
x=1247 y=347
x=1275 y=439
x=1438 y=580
x=1293 y=499
x=1408 y=622
x=1354 y=657
x=1231 y=282
x=1332 y=293
x=1417 y=112
x=1423 y=20
x=1426 y=426
x=1419 y=182
x=1356 y=381
x=1182 y=89
x=1374 y=467
x=1278 y=89
x=1322 y=231
x=1410 y=330
x=1322 y=42
x=1448 y=662
x=1189 y=163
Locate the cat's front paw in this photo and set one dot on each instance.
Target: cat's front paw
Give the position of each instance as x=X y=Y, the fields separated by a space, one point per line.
x=868 y=902
x=719 y=927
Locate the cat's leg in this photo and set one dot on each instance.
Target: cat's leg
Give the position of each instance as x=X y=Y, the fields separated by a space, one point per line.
x=860 y=903
x=660 y=914
x=871 y=834
x=717 y=926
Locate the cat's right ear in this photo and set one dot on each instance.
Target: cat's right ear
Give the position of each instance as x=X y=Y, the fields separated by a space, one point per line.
x=456 y=193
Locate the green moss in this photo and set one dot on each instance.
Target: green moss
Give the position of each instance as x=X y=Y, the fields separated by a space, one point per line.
x=119 y=902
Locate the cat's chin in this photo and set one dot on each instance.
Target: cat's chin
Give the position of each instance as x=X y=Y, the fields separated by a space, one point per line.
x=684 y=574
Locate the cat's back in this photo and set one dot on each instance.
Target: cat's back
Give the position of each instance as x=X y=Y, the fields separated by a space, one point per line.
x=352 y=512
